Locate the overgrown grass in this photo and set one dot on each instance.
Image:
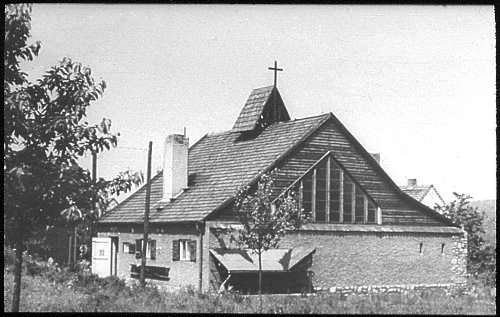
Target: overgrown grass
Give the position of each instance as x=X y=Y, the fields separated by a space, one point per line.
x=47 y=287
x=72 y=292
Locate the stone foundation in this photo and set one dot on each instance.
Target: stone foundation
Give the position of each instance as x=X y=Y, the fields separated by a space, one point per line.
x=387 y=289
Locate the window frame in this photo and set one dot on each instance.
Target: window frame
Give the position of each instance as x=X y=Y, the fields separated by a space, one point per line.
x=185 y=252
x=149 y=248
x=331 y=164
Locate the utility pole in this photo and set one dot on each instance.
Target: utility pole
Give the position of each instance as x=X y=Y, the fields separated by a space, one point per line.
x=146 y=217
x=94 y=180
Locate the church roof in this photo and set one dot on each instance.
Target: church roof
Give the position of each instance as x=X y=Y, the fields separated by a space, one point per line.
x=254 y=110
x=218 y=164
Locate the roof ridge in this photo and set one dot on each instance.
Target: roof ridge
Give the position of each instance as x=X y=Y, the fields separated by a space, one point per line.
x=305 y=118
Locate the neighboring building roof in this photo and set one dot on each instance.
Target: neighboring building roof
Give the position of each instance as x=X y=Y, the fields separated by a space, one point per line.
x=253 y=110
x=419 y=192
x=218 y=164
x=273 y=260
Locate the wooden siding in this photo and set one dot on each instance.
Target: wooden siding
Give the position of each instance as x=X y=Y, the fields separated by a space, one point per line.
x=395 y=210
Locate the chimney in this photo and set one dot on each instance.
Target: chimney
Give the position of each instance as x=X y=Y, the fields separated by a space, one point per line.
x=412 y=182
x=175 y=165
x=376 y=156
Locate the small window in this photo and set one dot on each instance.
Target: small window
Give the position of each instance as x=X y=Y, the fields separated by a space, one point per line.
x=150 y=249
x=184 y=250
x=421 y=246
x=442 y=248
x=128 y=248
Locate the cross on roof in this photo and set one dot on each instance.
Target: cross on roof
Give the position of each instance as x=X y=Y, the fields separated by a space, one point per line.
x=276 y=69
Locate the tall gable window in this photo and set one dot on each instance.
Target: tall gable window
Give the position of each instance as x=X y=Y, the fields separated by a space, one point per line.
x=329 y=195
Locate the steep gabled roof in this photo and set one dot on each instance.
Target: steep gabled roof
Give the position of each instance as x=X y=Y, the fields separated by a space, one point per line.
x=218 y=164
x=263 y=104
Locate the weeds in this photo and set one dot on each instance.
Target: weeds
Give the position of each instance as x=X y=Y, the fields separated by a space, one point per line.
x=52 y=288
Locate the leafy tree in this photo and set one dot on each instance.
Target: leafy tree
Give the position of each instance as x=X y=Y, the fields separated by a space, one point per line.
x=264 y=224
x=481 y=258
x=44 y=136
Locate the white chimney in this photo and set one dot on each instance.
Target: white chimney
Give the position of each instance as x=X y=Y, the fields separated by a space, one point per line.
x=412 y=182
x=175 y=165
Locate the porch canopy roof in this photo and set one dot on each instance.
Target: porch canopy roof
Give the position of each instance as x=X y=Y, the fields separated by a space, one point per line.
x=273 y=260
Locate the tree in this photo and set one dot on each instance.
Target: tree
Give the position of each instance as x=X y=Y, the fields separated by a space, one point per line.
x=481 y=258
x=44 y=135
x=265 y=222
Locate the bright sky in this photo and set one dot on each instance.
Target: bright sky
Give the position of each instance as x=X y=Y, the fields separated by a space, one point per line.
x=415 y=83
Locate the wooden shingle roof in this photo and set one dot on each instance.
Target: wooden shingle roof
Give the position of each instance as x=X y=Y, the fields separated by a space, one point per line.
x=217 y=164
x=257 y=106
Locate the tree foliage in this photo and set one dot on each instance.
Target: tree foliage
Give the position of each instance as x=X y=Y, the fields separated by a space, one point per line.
x=481 y=258
x=263 y=224
x=264 y=221
x=45 y=133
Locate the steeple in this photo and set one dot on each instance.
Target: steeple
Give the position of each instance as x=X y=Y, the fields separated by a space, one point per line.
x=263 y=107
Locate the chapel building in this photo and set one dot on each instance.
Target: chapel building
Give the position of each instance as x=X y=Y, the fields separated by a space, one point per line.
x=364 y=230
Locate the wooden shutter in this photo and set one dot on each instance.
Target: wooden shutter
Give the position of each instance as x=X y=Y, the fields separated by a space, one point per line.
x=131 y=248
x=192 y=250
x=152 y=249
x=175 y=250
x=138 y=248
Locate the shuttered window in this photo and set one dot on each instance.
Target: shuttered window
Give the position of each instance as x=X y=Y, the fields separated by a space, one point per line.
x=184 y=250
x=128 y=248
x=192 y=250
x=150 y=249
x=175 y=250
x=328 y=194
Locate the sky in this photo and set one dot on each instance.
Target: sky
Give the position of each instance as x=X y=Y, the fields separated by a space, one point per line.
x=414 y=83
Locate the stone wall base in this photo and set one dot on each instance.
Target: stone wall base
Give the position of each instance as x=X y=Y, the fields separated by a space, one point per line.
x=378 y=289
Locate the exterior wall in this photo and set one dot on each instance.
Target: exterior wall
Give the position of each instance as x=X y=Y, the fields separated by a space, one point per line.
x=330 y=137
x=348 y=259
x=181 y=274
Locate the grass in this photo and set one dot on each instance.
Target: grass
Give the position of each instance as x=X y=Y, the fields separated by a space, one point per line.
x=70 y=292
